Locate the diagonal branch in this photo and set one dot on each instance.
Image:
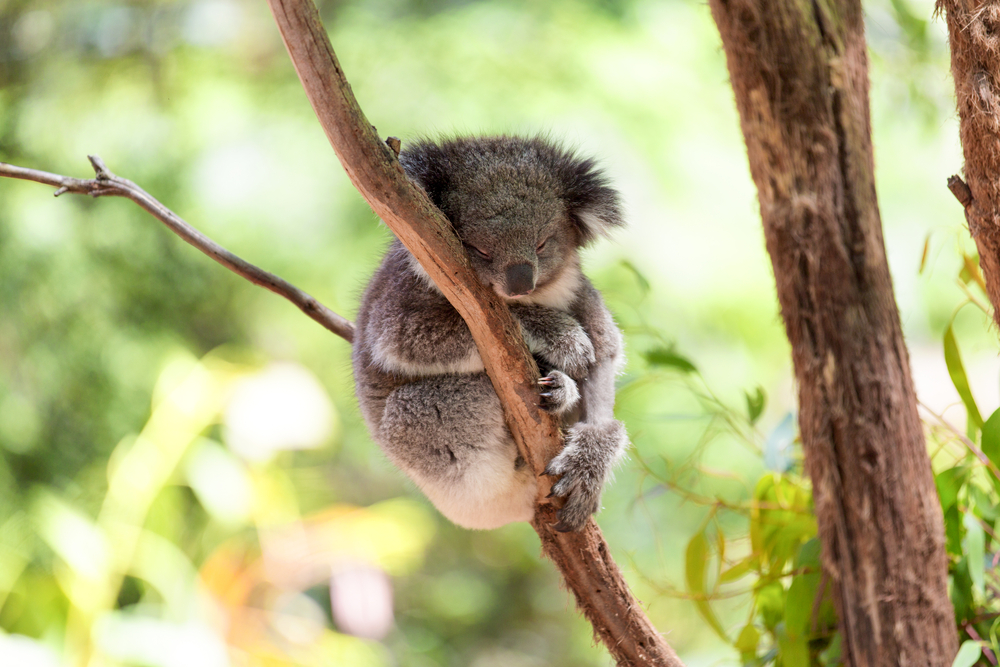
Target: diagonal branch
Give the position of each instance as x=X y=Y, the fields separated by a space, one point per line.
x=107 y=184
x=583 y=557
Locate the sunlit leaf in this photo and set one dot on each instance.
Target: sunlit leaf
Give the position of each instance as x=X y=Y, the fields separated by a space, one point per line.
x=696 y=560
x=974 y=546
x=958 y=378
x=970 y=267
x=968 y=654
x=923 y=255
x=746 y=642
x=770 y=601
x=661 y=356
x=738 y=570
x=794 y=649
x=799 y=604
x=755 y=404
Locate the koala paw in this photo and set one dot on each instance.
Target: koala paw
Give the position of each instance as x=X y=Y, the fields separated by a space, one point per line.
x=584 y=463
x=572 y=352
x=559 y=392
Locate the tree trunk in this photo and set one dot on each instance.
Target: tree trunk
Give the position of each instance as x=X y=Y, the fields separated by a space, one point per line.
x=975 y=66
x=799 y=71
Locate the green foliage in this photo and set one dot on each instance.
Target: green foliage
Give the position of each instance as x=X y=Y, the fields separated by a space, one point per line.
x=792 y=621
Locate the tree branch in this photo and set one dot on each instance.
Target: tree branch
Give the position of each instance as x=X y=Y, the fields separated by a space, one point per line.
x=583 y=557
x=107 y=184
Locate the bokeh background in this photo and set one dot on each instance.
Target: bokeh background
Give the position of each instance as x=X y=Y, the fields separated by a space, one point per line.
x=184 y=476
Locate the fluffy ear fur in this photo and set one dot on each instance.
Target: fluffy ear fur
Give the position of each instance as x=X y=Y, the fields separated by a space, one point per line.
x=593 y=205
x=430 y=166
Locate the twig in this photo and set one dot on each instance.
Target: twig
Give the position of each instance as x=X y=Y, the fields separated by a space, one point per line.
x=961 y=190
x=985 y=645
x=583 y=557
x=107 y=184
x=965 y=440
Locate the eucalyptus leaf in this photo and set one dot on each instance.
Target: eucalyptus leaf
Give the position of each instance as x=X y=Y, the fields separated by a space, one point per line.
x=696 y=562
x=662 y=356
x=968 y=654
x=755 y=404
x=956 y=370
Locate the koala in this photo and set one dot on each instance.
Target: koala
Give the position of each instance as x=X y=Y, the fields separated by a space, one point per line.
x=522 y=207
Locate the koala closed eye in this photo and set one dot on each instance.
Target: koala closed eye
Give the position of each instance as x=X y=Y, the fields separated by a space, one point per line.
x=522 y=207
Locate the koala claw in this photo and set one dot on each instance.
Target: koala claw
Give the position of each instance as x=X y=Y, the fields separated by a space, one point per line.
x=584 y=463
x=562 y=393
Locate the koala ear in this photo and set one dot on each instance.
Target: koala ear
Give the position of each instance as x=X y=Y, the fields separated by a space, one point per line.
x=593 y=205
x=428 y=165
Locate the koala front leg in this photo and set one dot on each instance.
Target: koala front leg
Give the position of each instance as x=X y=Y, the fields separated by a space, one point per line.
x=556 y=337
x=592 y=448
x=598 y=441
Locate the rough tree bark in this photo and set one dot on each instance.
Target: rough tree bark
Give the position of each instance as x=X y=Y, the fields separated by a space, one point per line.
x=799 y=73
x=582 y=557
x=974 y=33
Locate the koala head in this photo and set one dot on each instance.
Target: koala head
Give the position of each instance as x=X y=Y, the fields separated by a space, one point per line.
x=521 y=206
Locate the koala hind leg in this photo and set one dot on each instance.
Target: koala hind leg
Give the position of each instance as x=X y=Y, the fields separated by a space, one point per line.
x=447 y=432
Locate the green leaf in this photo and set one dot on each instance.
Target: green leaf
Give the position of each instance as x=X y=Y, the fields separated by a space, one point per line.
x=641 y=279
x=961 y=589
x=755 y=404
x=991 y=438
x=958 y=378
x=949 y=482
x=696 y=561
x=809 y=554
x=986 y=509
x=770 y=601
x=831 y=656
x=970 y=271
x=794 y=650
x=747 y=642
x=738 y=570
x=799 y=604
x=953 y=531
x=968 y=654
x=661 y=356
x=923 y=256
x=974 y=546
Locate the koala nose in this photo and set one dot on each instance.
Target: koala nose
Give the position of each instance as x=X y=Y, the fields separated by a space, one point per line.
x=520 y=279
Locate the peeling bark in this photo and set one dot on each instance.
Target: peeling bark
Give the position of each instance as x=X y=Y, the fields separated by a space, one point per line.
x=974 y=34
x=800 y=75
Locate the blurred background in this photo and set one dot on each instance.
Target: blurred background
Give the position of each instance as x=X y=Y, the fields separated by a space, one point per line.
x=184 y=476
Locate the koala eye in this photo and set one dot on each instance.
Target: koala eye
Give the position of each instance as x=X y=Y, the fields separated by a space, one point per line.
x=541 y=246
x=484 y=255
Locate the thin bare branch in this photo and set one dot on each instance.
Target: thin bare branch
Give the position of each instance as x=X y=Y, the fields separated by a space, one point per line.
x=583 y=557
x=106 y=184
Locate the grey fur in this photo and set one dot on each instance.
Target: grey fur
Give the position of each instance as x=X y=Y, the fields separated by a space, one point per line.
x=523 y=208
